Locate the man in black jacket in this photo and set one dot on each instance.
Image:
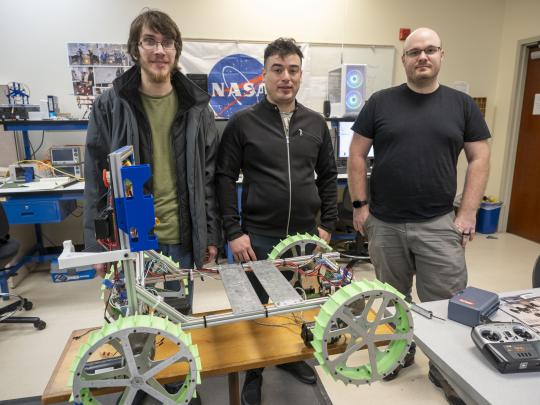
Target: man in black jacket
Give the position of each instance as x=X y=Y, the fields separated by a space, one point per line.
x=279 y=145
x=167 y=119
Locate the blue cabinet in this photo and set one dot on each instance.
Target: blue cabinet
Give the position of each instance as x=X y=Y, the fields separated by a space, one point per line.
x=37 y=211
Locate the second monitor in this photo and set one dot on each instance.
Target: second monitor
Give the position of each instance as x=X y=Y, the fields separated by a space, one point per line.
x=344 y=138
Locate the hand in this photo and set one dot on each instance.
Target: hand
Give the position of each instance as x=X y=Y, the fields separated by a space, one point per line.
x=102 y=269
x=359 y=218
x=326 y=236
x=466 y=224
x=241 y=249
x=211 y=253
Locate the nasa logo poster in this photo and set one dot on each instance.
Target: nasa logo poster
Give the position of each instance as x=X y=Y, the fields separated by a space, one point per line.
x=235 y=82
x=234 y=73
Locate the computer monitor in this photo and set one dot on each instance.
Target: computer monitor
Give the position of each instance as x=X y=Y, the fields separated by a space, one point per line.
x=345 y=135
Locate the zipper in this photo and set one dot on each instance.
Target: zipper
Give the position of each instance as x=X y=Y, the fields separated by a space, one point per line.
x=287 y=139
x=290 y=183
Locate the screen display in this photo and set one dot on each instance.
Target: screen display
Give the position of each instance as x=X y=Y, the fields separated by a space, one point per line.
x=345 y=134
x=62 y=155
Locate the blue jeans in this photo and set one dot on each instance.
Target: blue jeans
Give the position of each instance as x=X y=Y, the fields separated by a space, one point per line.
x=185 y=259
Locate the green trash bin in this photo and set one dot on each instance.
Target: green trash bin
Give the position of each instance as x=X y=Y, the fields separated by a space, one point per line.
x=487 y=218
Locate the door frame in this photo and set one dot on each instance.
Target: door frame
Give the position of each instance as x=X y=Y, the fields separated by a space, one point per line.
x=516 y=101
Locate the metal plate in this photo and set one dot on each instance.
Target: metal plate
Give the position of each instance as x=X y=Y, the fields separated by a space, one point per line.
x=276 y=285
x=241 y=294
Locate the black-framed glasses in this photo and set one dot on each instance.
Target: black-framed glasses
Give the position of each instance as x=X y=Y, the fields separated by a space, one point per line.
x=150 y=43
x=415 y=52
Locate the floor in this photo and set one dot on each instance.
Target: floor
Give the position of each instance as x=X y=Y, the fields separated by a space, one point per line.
x=500 y=262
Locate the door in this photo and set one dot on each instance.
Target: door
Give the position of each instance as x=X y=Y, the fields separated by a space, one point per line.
x=524 y=211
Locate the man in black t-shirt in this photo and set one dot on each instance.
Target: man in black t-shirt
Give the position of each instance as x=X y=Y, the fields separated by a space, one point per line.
x=417 y=130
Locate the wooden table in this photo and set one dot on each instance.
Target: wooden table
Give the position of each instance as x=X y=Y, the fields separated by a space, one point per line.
x=225 y=349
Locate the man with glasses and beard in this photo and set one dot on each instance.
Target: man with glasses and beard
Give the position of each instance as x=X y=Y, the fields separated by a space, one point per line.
x=166 y=118
x=418 y=130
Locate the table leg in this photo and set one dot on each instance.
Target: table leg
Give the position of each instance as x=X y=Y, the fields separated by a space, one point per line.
x=234 y=391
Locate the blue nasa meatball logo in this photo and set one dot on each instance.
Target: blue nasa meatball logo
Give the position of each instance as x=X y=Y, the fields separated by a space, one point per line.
x=235 y=82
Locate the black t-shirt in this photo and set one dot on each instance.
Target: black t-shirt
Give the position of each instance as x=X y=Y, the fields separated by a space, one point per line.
x=417 y=139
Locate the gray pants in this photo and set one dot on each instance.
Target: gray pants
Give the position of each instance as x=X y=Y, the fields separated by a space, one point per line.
x=431 y=250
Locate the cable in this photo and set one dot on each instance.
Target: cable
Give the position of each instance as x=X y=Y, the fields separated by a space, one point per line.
x=41 y=162
x=285 y=325
x=40 y=144
x=84 y=334
x=16 y=142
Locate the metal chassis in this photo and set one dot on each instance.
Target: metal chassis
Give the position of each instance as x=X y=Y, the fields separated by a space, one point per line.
x=133 y=265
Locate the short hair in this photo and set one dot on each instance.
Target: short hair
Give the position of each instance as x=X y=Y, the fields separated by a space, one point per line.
x=157 y=21
x=282 y=47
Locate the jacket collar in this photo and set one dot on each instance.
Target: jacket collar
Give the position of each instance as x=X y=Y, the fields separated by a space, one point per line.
x=271 y=106
x=127 y=86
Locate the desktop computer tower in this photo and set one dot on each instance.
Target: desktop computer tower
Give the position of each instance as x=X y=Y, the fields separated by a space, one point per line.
x=347 y=89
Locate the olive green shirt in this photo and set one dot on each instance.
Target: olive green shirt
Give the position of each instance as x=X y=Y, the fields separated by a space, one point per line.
x=161 y=112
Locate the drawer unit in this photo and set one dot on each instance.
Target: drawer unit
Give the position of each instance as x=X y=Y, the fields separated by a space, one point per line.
x=38 y=211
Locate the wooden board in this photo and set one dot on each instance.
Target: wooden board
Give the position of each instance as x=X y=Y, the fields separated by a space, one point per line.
x=223 y=349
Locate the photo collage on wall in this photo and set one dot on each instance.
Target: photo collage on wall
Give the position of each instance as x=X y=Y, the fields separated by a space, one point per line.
x=93 y=67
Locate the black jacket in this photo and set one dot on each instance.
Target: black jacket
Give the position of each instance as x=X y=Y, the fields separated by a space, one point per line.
x=118 y=119
x=280 y=194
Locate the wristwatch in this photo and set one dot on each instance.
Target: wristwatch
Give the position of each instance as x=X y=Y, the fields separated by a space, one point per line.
x=359 y=203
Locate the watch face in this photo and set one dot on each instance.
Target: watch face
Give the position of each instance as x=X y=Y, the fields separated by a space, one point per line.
x=359 y=203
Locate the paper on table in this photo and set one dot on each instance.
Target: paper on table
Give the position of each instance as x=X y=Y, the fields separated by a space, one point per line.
x=525 y=308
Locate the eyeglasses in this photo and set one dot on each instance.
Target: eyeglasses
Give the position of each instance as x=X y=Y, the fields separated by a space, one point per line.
x=150 y=44
x=415 y=52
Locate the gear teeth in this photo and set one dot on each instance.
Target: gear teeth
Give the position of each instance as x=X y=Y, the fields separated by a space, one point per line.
x=386 y=360
x=94 y=337
x=133 y=323
x=286 y=244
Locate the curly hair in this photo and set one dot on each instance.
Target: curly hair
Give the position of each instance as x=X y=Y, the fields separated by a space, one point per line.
x=282 y=47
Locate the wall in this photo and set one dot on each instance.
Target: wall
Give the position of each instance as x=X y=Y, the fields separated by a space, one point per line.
x=37 y=53
x=520 y=22
x=478 y=38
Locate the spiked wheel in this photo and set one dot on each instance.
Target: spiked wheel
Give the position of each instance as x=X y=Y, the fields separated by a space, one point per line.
x=298 y=245
x=346 y=313
x=132 y=364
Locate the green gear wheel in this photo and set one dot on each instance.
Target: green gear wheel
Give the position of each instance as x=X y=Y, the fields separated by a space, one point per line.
x=346 y=313
x=297 y=245
x=134 y=339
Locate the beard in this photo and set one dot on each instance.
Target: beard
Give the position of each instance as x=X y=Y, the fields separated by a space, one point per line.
x=159 y=77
